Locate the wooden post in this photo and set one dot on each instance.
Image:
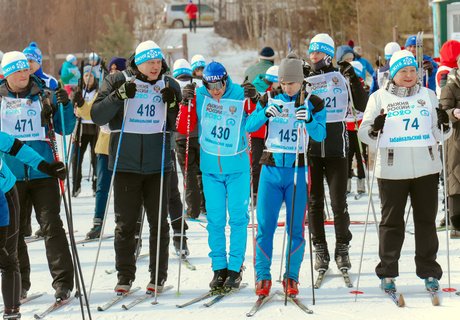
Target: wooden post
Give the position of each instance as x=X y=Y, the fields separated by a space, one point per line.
x=184 y=46
x=395 y=34
x=52 y=66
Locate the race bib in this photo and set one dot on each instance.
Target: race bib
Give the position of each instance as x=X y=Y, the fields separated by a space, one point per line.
x=21 y=118
x=332 y=88
x=221 y=126
x=408 y=121
x=382 y=77
x=146 y=111
x=283 y=130
x=89 y=96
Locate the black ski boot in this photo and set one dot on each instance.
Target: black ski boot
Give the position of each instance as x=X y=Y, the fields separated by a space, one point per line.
x=62 y=293
x=233 y=280
x=341 y=256
x=95 y=231
x=176 y=242
x=217 y=282
x=322 y=257
x=11 y=314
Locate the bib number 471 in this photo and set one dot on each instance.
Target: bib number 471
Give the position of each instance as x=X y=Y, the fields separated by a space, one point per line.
x=23 y=124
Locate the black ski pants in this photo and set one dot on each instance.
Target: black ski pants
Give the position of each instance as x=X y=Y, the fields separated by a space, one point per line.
x=44 y=196
x=423 y=193
x=355 y=151
x=257 y=148
x=131 y=191
x=175 y=207
x=9 y=264
x=79 y=153
x=335 y=171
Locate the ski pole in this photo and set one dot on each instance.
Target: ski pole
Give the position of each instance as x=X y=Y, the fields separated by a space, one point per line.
x=252 y=205
x=139 y=240
x=283 y=249
x=407 y=217
x=182 y=226
x=369 y=200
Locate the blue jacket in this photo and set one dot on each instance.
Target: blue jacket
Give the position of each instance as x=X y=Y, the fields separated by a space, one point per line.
x=37 y=87
x=224 y=164
x=366 y=64
x=432 y=78
x=50 y=81
x=4 y=213
x=375 y=82
x=316 y=128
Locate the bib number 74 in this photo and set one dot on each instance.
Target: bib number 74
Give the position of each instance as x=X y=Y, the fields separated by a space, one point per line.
x=414 y=123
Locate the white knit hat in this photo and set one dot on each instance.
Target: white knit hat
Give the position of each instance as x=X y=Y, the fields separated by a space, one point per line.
x=14 y=61
x=70 y=58
x=323 y=43
x=272 y=74
x=197 y=61
x=401 y=59
x=147 y=50
x=180 y=67
x=390 y=48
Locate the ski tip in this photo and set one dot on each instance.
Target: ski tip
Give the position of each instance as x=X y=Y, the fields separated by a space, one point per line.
x=449 y=289
x=99 y=308
x=356 y=292
x=124 y=307
x=401 y=302
x=154 y=303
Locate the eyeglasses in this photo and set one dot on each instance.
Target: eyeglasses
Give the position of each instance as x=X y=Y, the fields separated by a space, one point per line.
x=214 y=85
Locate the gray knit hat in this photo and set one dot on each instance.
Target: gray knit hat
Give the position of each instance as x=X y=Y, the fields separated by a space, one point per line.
x=291 y=69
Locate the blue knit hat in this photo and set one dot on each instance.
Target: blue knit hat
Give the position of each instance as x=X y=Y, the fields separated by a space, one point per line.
x=119 y=62
x=401 y=59
x=411 y=41
x=32 y=52
x=267 y=53
x=88 y=69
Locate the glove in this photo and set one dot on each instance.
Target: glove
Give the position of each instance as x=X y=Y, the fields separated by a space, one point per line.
x=379 y=122
x=273 y=110
x=443 y=119
x=301 y=113
x=188 y=92
x=263 y=100
x=428 y=66
x=250 y=92
x=126 y=91
x=78 y=99
x=47 y=113
x=306 y=69
x=55 y=169
x=168 y=95
x=62 y=96
x=347 y=70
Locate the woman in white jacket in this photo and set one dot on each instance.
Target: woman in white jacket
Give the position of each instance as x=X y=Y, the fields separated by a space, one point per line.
x=403 y=122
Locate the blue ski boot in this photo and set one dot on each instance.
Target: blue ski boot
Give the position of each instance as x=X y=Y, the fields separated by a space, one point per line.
x=431 y=284
x=388 y=284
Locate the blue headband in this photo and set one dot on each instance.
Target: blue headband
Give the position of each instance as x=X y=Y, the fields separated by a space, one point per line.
x=321 y=47
x=150 y=54
x=15 y=66
x=402 y=63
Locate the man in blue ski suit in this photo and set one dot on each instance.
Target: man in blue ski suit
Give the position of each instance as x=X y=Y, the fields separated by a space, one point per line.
x=218 y=109
x=283 y=112
x=429 y=66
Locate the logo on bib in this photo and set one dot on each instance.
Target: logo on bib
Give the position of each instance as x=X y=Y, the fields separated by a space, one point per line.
x=232 y=110
x=156 y=88
x=335 y=81
x=424 y=113
x=31 y=113
x=421 y=102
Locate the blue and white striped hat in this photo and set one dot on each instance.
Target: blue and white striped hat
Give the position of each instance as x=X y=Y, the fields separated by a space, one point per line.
x=181 y=67
x=147 y=50
x=272 y=74
x=401 y=59
x=323 y=43
x=14 y=61
x=197 y=61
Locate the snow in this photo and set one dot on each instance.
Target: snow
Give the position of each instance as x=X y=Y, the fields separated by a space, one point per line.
x=333 y=300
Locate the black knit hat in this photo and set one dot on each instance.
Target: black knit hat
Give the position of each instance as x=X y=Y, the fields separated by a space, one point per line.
x=267 y=53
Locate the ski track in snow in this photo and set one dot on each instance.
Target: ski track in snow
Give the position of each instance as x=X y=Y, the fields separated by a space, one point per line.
x=333 y=300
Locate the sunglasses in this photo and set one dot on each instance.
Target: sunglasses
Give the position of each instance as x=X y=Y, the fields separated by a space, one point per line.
x=214 y=85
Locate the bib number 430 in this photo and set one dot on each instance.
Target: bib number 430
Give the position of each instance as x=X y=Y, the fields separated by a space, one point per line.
x=23 y=124
x=220 y=132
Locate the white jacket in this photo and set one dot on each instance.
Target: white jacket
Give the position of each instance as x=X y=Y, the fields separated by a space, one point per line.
x=402 y=162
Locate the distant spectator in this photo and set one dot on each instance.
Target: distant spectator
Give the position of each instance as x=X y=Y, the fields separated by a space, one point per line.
x=429 y=66
x=266 y=60
x=191 y=10
x=117 y=64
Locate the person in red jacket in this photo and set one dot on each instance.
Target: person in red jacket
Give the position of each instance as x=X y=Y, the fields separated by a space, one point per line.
x=191 y=10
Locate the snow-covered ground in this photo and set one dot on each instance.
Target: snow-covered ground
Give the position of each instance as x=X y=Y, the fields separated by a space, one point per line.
x=333 y=300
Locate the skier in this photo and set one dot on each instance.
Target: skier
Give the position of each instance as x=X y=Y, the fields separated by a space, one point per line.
x=35 y=188
x=103 y=174
x=198 y=63
x=449 y=101
x=283 y=111
x=125 y=101
x=34 y=56
x=329 y=157
x=406 y=167
x=191 y=10
x=98 y=67
x=83 y=102
x=358 y=51
x=429 y=66
x=266 y=60
x=70 y=75
x=218 y=110
x=353 y=120
x=382 y=74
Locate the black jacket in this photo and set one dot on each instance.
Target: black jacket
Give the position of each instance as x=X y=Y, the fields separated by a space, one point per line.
x=139 y=153
x=336 y=142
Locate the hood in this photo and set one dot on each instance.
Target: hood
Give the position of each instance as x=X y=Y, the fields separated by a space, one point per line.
x=449 y=53
x=343 y=50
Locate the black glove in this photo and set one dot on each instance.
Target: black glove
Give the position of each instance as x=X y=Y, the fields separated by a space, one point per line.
x=428 y=66
x=250 y=92
x=126 y=91
x=273 y=110
x=168 y=95
x=263 y=100
x=62 y=96
x=346 y=69
x=306 y=69
x=443 y=119
x=379 y=122
x=47 y=113
x=188 y=92
x=78 y=99
x=54 y=169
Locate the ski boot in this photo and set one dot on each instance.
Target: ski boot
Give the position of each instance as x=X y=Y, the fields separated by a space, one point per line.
x=263 y=288
x=431 y=284
x=62 y=293
x=23 y=295
x=95 y=231
x=321 y=257
x=176 y=242
x=291 y=287
x=349 y=186
x=39 y=233
x=123 y=286
x=217 y=282
x=10 y=314
x=233 y=280
x=342 y=257
x=151 y=286
x=361 y=187
x=388 y=284
x=76 y=192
